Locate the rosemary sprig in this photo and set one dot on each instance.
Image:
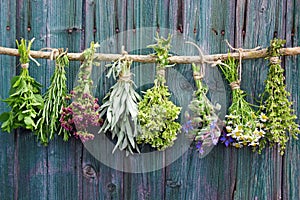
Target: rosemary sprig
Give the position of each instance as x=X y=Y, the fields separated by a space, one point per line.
x=55 y=98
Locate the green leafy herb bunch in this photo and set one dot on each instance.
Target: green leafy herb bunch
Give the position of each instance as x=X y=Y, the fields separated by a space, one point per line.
x=55 y=99
x=120 y=108
x=157 y=114
x=242 y=123
x=281 y=123
x=24 y=98
x=202 y=121
x=82 y=114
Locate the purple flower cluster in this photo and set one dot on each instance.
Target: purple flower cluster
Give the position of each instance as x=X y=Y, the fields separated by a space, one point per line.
x=80 y=115
x=227 y=140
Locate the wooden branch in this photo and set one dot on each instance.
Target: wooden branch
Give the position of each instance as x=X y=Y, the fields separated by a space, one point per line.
x=151 y=59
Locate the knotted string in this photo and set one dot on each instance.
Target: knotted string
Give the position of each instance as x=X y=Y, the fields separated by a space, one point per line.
x=274 y=60
x=25 y=65
x=236 y=84
x=54 y=52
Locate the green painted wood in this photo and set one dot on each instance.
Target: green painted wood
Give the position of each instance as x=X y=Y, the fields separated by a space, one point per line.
x=7 y=69
x=68 y=171
x=31 y=157
x=64 y=158
x=291 y=160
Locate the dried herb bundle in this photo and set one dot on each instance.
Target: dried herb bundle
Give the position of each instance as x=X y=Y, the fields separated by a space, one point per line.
x=276 y=104
x=81 y=115
x=242 y=123
x=202 y=121
x=157 y=114
x=25 y=100
x=55 y=98
x=120 y=108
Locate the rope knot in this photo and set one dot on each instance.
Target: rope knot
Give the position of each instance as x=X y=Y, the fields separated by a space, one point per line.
x=235 y=85
x=274 y=60
x=125 y=78
x=25 y=65
x=197 y=76
x=161 y=72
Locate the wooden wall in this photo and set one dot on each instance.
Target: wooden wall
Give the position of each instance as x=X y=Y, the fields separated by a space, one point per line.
x=68 y=171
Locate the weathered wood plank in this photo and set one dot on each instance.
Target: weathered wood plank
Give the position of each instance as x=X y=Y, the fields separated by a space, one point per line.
x=103 y=15
x=291 y=164
x=8 y=166
x=64 y=30
x=258 y=176
x=32 y=158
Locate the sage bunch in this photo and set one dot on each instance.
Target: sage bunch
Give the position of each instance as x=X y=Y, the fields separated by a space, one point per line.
x=120 y=108
x=281 y=125
x=157 y=114
x=201 y=119
x=55 y=99
x=81 y=116
x=25 y=100
x=242 y=123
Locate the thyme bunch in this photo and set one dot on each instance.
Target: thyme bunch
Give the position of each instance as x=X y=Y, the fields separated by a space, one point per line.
x=157 y=114
x=55 y=99
x=24 y=98
x=120 y=108
x=281 y=125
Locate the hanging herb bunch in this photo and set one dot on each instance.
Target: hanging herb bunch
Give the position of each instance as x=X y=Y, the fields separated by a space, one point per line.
x=81 y=115
x=243 y=126
x=55 y=99
x=120 y=107
x=276 y=104
x=157 y=114
x=202 y=122
x=24 y=98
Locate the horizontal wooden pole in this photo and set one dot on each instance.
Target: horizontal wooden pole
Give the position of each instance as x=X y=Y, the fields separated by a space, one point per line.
x=151 y=59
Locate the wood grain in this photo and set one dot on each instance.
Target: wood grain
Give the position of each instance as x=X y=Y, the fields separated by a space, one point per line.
x=67 y=170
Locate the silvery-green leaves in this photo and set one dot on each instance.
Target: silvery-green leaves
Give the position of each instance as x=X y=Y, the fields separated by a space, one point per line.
x=120 y=108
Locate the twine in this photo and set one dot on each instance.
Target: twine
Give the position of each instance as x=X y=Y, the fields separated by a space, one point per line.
x=235 y=85
x=274 y=60
x=125 y=78
x=25 y=65
x=161 y=72
x=54 y=52
x=197 y=76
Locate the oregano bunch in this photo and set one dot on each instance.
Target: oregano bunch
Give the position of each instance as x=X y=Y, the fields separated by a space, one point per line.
x=81 y=115
x=55 y=99
x=242 y=123
x=24 y=98
x=201 y=119
x=157 y=114
x=281 y=125
x=120 y=108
